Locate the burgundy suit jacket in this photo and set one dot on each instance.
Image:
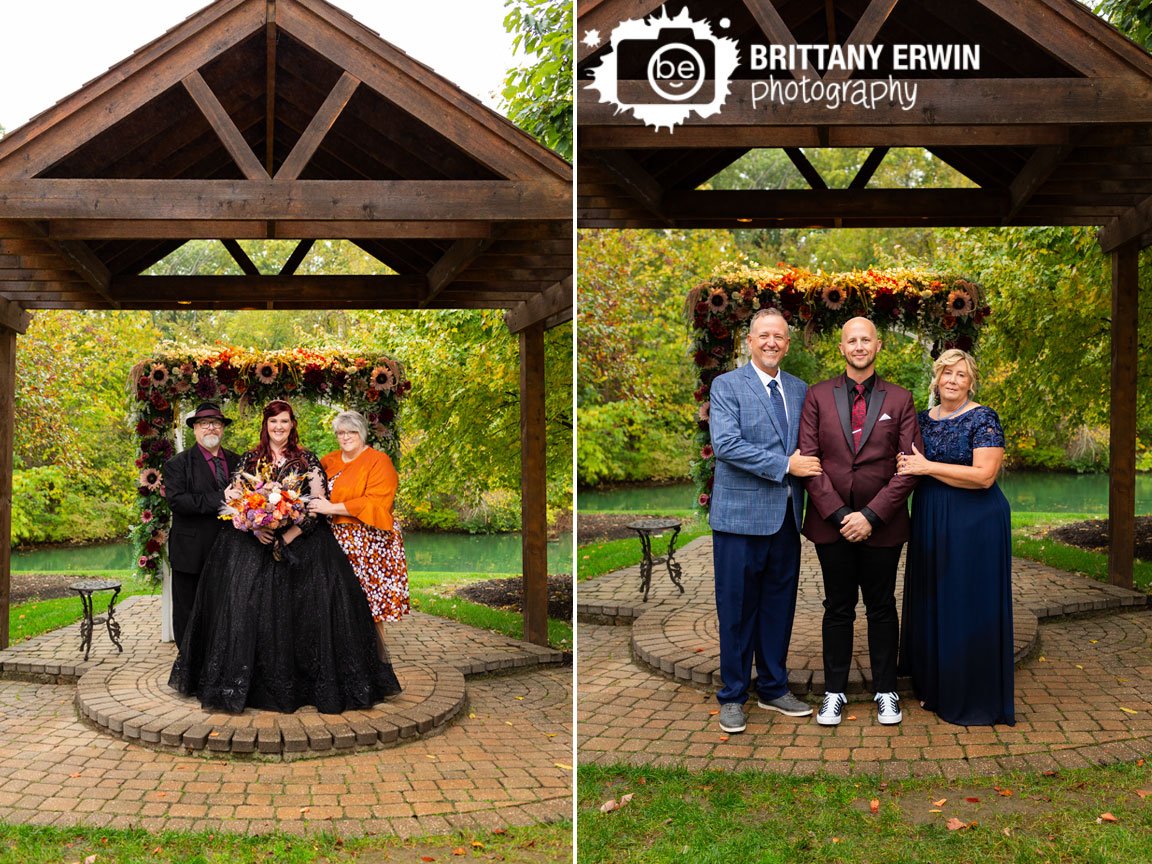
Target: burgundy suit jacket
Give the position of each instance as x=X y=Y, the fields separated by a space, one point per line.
x=863 y=478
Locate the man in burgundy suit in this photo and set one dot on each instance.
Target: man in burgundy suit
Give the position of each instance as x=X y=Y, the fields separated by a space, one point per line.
x=857 y=515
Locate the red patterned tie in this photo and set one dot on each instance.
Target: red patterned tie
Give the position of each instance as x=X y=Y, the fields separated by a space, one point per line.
x=859 y=409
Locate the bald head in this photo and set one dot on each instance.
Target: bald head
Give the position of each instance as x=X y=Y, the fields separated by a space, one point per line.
x=859 y=343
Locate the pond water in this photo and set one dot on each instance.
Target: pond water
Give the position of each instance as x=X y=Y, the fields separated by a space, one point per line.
x=459 y=553
x=1025 y=490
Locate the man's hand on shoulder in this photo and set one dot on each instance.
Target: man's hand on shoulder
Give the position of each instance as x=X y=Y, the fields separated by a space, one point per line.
x=804 y=466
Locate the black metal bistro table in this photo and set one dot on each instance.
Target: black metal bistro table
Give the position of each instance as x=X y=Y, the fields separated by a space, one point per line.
x=646 y=528
x=86 y=588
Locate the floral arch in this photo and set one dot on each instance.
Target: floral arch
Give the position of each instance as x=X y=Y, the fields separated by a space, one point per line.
x=177 y=378
x=944 y=311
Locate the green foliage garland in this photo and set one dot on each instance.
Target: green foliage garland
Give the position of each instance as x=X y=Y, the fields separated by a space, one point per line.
x=373 y=386
x=945 y=311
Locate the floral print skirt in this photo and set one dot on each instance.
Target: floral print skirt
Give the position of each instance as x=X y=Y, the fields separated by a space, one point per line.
x=378 y=559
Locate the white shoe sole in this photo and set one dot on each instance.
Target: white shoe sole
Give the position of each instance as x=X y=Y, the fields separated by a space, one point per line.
x=733 y=730
x=829 y=721
x=892 y=722
x=767 y=707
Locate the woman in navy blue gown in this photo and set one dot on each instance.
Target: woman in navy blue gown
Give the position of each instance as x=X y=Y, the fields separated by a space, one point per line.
x=957 y=623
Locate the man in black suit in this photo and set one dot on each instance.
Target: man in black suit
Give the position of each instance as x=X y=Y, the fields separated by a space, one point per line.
x=194 y=483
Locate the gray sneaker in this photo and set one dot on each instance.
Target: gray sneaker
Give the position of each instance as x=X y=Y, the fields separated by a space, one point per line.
x=732 y=717
x=788 y=705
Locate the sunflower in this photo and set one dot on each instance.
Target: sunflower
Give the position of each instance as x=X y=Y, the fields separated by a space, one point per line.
x=159 y=375
x=718 y=300
x=266 y=372
x=960 y=303
x=834 y=296
x=382 y=379
x=150 y=478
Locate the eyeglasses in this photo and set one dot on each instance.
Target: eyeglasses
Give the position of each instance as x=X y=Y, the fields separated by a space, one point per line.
x=208 y=424
x=344 y=433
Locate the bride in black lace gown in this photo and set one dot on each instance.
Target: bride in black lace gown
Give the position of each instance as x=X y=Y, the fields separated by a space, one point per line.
x=280 y=619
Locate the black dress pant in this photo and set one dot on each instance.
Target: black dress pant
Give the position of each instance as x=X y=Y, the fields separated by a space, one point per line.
x=183 y=598
x=851 y=570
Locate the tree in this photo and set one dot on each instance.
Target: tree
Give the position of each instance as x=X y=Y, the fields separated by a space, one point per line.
x=1132 y=17
x=538 y=98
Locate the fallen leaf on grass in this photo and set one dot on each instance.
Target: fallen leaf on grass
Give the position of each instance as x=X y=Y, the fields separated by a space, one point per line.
x=1106 y=817
x=499 y=830
x=1049 y=773
x=972 y=800
x=476 y=844
x=935 y=810
x=1003 y=793
x=874 y=805
x=427 y=858
x=955 y=824
x=91 y=859
x=1007 y=832
x=1143 y=793
x=612 y=804
x=1139 y=763
x=459 y=850
x=835 y=839
x=940 y=803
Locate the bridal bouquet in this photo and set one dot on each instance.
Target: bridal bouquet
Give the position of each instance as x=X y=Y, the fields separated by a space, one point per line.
x=265 y=502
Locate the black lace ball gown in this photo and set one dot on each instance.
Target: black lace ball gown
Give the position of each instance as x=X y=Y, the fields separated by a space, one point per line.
x=282 y=634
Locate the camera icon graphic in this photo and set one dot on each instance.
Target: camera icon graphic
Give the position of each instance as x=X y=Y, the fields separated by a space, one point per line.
x=665 y=69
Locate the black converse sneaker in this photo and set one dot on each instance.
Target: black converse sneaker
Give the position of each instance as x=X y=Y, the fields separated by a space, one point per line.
x=831 y=709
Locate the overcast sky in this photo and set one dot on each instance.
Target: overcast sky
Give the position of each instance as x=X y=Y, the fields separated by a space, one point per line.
x=51 y=48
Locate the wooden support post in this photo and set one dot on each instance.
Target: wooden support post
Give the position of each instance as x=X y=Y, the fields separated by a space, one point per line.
x=7 y=439
x=1122 y=441
x=533 y=486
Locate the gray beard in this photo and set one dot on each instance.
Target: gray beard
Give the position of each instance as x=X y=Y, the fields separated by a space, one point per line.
x=211 y=442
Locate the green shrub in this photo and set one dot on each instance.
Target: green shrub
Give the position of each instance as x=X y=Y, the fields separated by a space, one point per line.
x=627 y=441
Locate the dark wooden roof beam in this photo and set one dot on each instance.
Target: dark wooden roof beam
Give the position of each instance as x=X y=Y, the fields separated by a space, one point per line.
x=871 y=163
x=298 y=199
x=456 y=260
x=231 y=137
x=636 y=182
x=240 y=257
x=310 y=141
x=270 y=39
x=803 y=203
x=1136 y=224
x=78 y=256
x=552 y=307
x=807 y=169
x=297 y=257
x=866 y=30
x=603 y=18
x=773 y=26
x=14 y=316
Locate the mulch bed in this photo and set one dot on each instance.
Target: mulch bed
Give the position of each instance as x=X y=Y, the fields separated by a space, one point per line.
x=1093 y=534
x=505 y=594
x=598 y=527
x=41 y=586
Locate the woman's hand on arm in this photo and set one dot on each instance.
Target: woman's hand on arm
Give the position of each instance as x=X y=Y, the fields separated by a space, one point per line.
x=981 y=474
x=324 y=507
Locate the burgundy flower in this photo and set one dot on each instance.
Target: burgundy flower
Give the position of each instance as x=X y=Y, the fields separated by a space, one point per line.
x=206 y=386
x=152 y=547
x=964 y=343
x=386 y=415
x=339 y=379
x=159 y=402
x=717 y=329
x=313 y=376
x=703 y=499
x=701 y=393
x=226 y=373
x=145 y=429
x=706 y=452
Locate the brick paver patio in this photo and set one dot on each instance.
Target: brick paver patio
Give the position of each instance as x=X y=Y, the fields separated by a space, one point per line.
x=84 y=743
x=647 y=674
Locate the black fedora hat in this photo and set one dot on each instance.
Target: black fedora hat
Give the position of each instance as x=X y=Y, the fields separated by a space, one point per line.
x=207 y=411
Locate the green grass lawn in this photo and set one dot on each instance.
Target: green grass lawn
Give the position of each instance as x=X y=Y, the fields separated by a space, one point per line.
x=431 y=593
x=1028 y=541
x=707 y=817
x=25 y=844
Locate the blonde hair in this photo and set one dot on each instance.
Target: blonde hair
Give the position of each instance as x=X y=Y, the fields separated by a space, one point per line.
x=948 y=359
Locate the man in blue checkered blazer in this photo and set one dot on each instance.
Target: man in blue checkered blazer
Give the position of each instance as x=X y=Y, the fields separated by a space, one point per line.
x=756 y=507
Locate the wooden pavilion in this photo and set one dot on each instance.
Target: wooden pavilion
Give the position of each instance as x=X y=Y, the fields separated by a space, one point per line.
x=1054 y=128
x=286 y=119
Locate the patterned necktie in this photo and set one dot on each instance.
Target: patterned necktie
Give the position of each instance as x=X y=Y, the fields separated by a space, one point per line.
x=859 y=409
x=777 y=400
x=220 y=469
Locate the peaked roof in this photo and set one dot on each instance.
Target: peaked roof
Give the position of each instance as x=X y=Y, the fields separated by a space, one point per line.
x=281 y=119
x=1054 y=128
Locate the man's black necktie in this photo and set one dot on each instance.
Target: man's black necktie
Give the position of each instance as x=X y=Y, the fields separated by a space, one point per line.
x=220 y=469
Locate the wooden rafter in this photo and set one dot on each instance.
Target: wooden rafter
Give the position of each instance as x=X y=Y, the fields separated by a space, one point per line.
x=773 y=26
x=551 y=307
x=452 y=263
x=112 y=229
x=343 y=200
x=871 y=163
x=1132 y=225
x=310 y=141
x=633 y=179
x=863 y=33
x=807 y=169
x=1032 y=176
x=604 y=17
x=270 y=87
x=297 y=257
x=13 y=316
x=224 y=127
x=241 y=257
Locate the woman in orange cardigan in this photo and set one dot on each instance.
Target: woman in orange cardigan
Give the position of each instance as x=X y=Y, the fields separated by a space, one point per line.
x=362 y=483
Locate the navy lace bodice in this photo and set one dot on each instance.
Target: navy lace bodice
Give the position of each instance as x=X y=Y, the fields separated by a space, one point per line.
x=953 y=439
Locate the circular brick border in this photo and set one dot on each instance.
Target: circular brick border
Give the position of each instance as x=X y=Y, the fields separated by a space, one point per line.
x=682 y=643
x=133 y=700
